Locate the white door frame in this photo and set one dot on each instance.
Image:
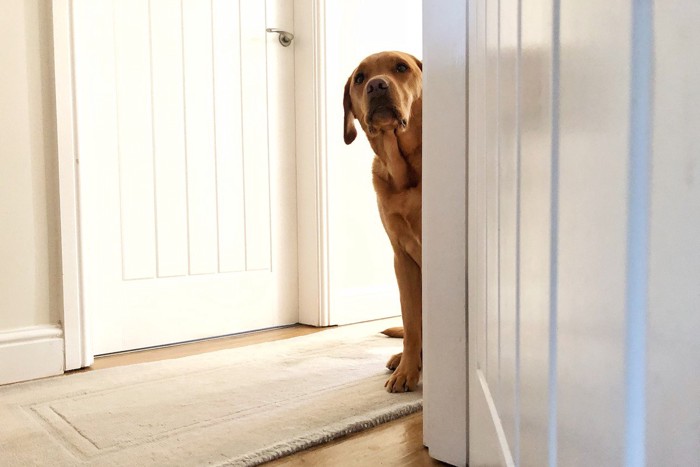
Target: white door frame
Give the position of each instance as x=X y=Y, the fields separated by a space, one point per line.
x=312 y=156
x=78 y=351
x=445 y=148
x=309 y=23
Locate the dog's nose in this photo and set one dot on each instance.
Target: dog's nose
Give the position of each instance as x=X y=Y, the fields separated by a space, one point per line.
x=377 y=86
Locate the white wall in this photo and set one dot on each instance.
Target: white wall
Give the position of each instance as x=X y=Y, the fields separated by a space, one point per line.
x=30 y=288
x=31 y=344
x=362 y=281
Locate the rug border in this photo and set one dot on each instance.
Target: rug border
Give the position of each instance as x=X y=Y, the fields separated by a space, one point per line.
x=332 y=432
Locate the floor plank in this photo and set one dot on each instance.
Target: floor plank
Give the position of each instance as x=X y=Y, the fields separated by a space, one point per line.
x=397 y=443
x=199 y=347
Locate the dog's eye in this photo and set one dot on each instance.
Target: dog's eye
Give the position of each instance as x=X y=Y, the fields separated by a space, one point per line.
x=401 y=68
x=359 y=78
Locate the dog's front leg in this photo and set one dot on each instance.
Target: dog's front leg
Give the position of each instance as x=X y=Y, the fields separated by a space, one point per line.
x=408 y=274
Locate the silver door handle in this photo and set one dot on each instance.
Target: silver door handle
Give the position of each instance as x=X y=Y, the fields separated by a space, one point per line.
x=285 y=37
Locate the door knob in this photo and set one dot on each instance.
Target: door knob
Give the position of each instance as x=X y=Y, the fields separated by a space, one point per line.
x=285 y=37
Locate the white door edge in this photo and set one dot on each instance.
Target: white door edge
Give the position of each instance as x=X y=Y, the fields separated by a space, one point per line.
x=312 y=154
x=78 y=351
x=446 y=412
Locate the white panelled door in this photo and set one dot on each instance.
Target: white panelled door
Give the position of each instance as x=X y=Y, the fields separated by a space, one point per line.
x=185 y=141
x=583 y=233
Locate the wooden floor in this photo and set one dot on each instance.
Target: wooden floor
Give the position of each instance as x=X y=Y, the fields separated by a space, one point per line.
x=397 y=443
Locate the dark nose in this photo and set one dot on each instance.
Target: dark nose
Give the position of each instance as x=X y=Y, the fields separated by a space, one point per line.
x=377 y=86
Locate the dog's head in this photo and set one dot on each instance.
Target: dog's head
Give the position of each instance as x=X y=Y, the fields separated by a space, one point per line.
x=381 y=94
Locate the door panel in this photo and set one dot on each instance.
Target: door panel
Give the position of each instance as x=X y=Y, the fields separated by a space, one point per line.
x=229 y=142
x=535 y=225
x=593 y=157
x=255 y=135
x=200 y=134
x=595 y=354
x=508 y=228
x=585 y=164
x=361 y=279
x=134 y=139
x=491 y=182
x=491 y=310
x=181 y=189
x=169 y=155
x=673 y=418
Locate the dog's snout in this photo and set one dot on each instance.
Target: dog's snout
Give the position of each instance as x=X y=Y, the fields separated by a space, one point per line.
x=377 y=86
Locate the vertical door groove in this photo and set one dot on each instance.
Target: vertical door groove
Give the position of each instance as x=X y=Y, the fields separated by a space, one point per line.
x=491 y=101
x=554 y=235
x=169 y=138
x=638 y=231
x=153 y=141
x=228 y=135
x=484 y=189
x=185 y=135
x=200 y=132
x=214 y=140
x=134 y=138
x=256 y=134
x=497 y=192
x=518 y=175
x=243 y=138
x=118 y=141
x=267 y=139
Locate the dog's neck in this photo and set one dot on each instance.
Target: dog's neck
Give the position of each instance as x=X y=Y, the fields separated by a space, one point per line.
x=399 y=152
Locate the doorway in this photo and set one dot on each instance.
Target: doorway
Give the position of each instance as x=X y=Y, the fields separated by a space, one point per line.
x=213 y=183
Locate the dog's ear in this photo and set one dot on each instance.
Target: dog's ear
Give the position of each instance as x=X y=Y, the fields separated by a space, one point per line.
x=349 y=131
x=418 y=62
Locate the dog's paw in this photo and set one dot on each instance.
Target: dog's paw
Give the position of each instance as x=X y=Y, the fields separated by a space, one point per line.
x=404 y=379
x=394 y=361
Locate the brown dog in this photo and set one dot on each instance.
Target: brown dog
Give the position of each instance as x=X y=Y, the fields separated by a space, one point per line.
x=385 y=94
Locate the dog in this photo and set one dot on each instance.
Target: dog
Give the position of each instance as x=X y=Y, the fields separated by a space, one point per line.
x=385 y=94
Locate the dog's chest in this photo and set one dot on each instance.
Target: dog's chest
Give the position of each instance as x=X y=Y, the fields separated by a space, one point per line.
x=400 y=212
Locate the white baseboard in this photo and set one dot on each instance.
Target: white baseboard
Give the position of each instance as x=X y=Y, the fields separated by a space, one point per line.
x=30 y=353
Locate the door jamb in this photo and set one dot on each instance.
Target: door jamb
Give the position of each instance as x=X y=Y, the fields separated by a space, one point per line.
x=78 y=348
x=312 y=153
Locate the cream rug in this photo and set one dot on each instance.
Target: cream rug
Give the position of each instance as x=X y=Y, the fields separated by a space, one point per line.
x=241 y=406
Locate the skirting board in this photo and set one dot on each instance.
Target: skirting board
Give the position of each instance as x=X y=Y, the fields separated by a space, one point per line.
x=30 y=353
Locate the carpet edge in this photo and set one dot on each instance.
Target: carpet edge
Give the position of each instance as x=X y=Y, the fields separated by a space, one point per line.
x=317 y=437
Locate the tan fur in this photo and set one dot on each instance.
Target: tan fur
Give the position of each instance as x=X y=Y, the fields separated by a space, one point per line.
x=390 y=114
x=393 y=332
